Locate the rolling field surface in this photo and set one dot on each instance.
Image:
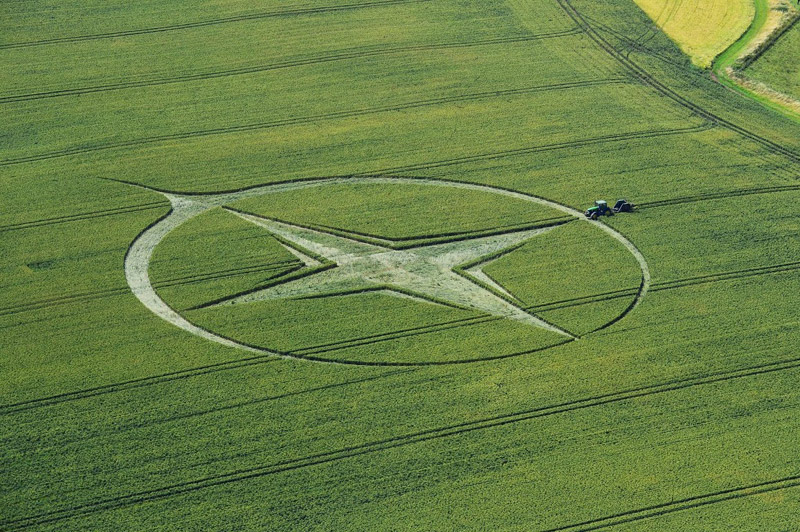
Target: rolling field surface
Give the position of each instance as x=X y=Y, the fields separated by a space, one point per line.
x=223 y=150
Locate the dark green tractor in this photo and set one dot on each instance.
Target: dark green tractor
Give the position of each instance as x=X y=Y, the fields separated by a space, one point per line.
x=601 y=208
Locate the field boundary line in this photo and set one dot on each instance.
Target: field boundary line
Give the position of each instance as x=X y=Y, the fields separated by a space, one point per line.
x=339 y=55
x=663 y=89
x=327 y=457
x=210 y=22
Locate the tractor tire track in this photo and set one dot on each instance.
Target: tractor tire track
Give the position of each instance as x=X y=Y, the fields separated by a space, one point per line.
x=620 y=137
x=158 y=379
x=668 y=285
x=140 y=423
x=397 y=334
x=782 y=171
x=585 y=300
x=211 y=22
x=718 y=195
x=255 y=360
x=122 y=290
x=700 y=75
x=652 y=512
x=170 y=377
x=64 y=300
x=729 y=276
x=640 y=46
x=340 y=55
x=84 y=216
x=663 y=89
x=233 y=272
x=407 y=333
x=432 y=434
x=258 y=126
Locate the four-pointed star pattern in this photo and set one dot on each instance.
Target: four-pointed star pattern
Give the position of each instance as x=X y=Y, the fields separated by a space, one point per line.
x=443 y=273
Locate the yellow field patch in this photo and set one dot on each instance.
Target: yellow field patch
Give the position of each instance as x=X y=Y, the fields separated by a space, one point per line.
x=702 y=28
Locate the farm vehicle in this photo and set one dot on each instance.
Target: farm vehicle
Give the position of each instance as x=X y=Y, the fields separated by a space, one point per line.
x=601 y=208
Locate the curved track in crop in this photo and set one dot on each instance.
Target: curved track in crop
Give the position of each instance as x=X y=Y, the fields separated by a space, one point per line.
x=137 y=260
x=663 y=89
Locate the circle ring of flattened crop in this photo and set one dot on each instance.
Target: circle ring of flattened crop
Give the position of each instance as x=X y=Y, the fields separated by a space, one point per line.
x=187 y=206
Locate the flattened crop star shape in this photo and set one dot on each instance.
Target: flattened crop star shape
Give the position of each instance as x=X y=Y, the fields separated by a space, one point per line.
x=448 y=272
x=337 y=262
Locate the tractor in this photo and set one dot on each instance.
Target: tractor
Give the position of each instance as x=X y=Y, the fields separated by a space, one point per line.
x=601 y=208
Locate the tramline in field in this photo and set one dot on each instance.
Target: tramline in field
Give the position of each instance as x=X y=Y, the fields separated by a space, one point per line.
x=328 y=266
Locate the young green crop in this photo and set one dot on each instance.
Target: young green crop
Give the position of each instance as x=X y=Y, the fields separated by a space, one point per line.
x=112 y=418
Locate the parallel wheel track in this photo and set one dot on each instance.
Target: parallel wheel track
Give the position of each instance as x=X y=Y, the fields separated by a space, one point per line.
x=340 y=55
x=620 y=137
x=262 y=359
x=657 y=510
x=328 y=457
x=204 y=23
x=157 y=139
x=663 y=89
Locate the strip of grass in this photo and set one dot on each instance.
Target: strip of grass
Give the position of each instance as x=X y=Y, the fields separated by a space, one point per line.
x=779 y=67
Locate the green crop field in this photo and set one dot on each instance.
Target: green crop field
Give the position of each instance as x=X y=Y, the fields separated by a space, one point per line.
x=292 y=265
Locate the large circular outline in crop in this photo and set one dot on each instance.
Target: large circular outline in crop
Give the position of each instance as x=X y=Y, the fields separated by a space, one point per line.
x=187 y=206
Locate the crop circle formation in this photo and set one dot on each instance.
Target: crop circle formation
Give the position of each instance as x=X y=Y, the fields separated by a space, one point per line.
x=187 y=207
